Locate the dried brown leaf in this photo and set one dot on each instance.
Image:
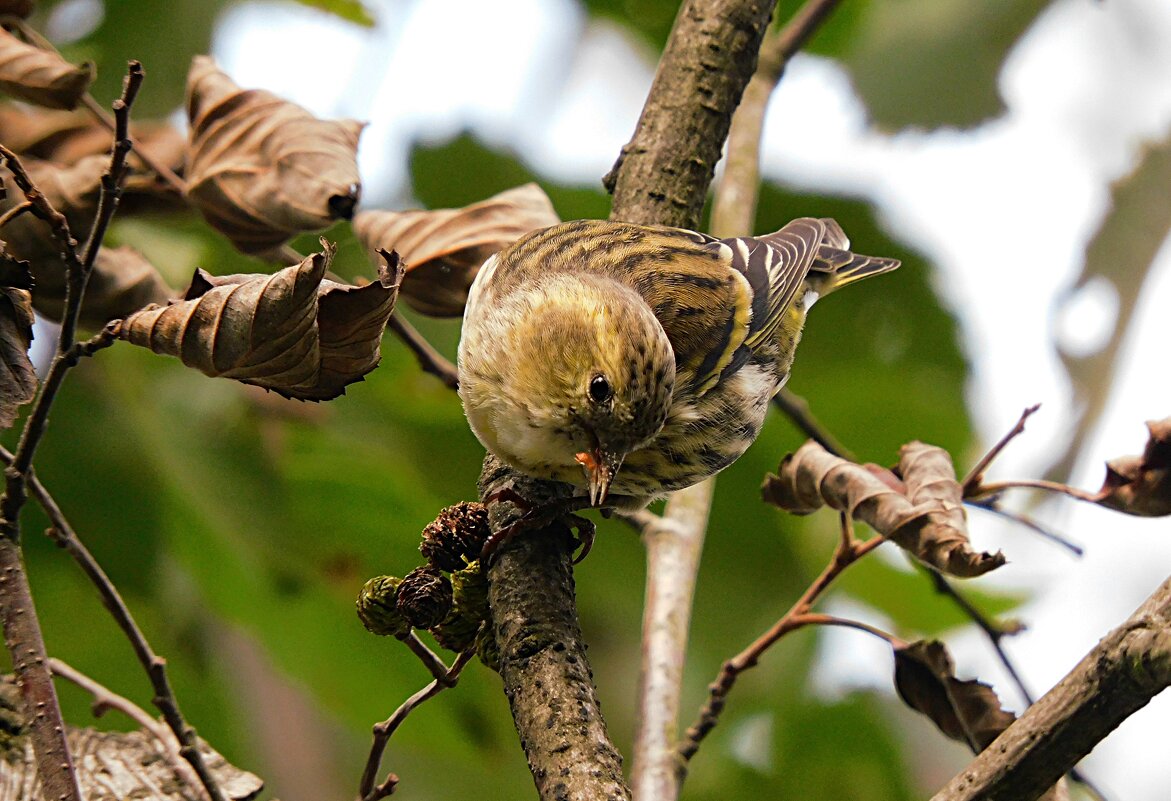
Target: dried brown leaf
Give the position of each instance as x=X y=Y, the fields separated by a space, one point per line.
x=443 y=249
x=262 y=169
x=291 y=332
x=73 y=190
x=917 y=511
x=18 y=379
x=941 y=537
x=122 y=282
x=1141 y=485
x=41 y=76
x=66 y=137
x=968 y=711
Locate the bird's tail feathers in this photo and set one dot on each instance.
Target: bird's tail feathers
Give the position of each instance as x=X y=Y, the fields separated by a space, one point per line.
x=841 y=265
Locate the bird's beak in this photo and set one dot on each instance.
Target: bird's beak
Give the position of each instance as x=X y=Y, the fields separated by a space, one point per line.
x=600 y=467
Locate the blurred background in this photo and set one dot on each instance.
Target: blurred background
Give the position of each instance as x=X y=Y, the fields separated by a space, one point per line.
x=985 y=144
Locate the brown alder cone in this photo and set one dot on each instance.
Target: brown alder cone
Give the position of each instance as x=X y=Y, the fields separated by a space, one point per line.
x=921 y=512
x=261 y=169
x=444 y=248
x=41 y=76
x=292 y=332
x=1141 y=485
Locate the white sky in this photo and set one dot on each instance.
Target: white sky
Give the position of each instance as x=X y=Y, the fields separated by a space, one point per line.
x=1005 y=211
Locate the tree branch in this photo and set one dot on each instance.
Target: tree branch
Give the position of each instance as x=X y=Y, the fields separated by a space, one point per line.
x=1118 y=677
x=547 y=678
x=663 y=173
x=674 y=543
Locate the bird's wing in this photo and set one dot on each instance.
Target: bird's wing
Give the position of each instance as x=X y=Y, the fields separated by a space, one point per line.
x=776 y=265
x=719 y=300
x=705 y=307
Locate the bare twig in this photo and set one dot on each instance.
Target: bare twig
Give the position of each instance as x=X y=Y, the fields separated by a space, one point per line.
x=813 y=619
x=845 y=554
x=15 y=212
x=21 y=628
x=367 y=790
x=156 y=667
x=995 y=632
x=796 y=408
x=992 y=505
x=674 y=543
x=431 y=360
x=976 y=474
x=435 y=666
x=995 y=487
x=104 y=698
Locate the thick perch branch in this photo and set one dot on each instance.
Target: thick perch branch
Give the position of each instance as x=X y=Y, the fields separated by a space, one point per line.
x=663 y=174
x=1118 y=677
x=547 y=678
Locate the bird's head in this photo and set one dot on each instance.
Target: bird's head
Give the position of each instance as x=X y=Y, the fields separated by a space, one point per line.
x=596 y=373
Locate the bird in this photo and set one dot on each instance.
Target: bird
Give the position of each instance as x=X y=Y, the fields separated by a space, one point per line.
x=630 y=361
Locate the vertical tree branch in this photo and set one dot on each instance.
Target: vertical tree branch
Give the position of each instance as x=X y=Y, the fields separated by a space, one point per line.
x=543 y=664
x=663 y=173
x=674 y=543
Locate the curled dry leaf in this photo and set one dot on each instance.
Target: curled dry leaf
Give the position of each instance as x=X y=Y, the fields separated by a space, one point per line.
x=968 y=711
x=262 y=169
x=919 y=511
x=1141 y=485
x=291 y=332
x=122 y=282
x=40 y=76
x=18 y=380
x=443 y=249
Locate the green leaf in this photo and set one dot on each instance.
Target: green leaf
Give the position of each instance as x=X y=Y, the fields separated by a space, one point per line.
x=927 y=63
x=351 y=10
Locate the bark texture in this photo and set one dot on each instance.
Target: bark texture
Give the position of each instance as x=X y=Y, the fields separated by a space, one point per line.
x=547 y=678
x=663 y=173
x=1118 y=677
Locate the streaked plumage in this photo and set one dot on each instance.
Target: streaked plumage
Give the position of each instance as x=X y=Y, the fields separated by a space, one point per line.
x=642 y=358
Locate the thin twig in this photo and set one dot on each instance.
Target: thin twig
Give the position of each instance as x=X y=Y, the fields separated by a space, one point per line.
x=976 y=474
x=431 y=360
x=814 y=619
x=21 y=627
x=995 y=632
x=367 y=790
x=431 y=660
x=164 y=699
x=104 y=698
x=845 y=554
x=15 y=212
x=1051 y=486
x=992 y=505
x=796 y=408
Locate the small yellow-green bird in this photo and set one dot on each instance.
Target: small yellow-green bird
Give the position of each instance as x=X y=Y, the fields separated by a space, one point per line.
x=631 y=361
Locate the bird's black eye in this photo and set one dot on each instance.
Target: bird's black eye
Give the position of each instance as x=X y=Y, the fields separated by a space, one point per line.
x=600 y=390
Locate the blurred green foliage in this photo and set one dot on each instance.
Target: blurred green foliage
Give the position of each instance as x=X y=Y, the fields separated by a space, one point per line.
x=218 y=507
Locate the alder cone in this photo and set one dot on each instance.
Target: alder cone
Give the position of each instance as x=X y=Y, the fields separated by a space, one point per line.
x=261 y=169
x=18 y=379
